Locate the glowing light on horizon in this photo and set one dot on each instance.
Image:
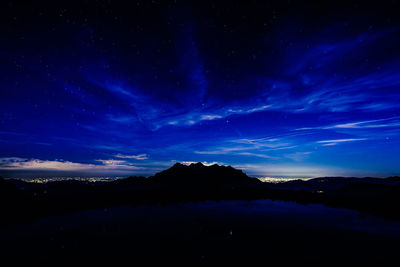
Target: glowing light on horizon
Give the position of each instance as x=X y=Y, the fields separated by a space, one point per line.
x=276 y=180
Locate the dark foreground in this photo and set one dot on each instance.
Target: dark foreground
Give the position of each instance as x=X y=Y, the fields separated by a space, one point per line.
x=206 y=214
x=262 y=230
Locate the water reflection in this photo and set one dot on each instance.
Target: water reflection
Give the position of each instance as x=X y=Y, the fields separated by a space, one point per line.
x=205 y=224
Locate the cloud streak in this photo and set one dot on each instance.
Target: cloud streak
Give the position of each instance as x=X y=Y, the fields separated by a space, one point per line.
x=391 y=122
x=339 y=141
x=305 y=85
x=137 y=157
x=16 y=163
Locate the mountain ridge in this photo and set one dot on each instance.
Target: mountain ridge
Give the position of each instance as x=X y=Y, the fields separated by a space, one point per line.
x=192 y=183
x=198 y=174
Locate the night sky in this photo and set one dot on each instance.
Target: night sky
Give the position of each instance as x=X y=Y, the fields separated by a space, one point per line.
x=276 y=88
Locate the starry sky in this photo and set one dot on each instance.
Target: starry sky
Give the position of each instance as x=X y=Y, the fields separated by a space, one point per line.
x=276 y=88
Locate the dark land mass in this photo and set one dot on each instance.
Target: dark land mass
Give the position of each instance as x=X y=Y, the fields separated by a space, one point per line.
x=23 y=200
x=23 y=203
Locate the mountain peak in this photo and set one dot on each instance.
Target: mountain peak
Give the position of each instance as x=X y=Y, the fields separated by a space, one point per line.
x=200 y=174
x=177 y=164
x=198 y=164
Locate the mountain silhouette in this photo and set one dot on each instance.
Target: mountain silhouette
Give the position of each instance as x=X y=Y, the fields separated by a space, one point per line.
x=199 y=175
x=22 y=200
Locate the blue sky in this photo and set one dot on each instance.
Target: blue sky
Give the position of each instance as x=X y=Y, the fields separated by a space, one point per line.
x=278 y=90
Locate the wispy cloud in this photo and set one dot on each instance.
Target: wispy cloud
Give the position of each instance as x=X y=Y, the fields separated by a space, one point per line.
x=210 y=117
x=238 y=151
x=15 y=163
x=307 y=85
x=221 y=151
x=265 y=143
x=380 y=123
x=250 y=147
x=259 y=155
x=338 y=141
x=121 y=118
x=137 y=157
x=364 y=124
